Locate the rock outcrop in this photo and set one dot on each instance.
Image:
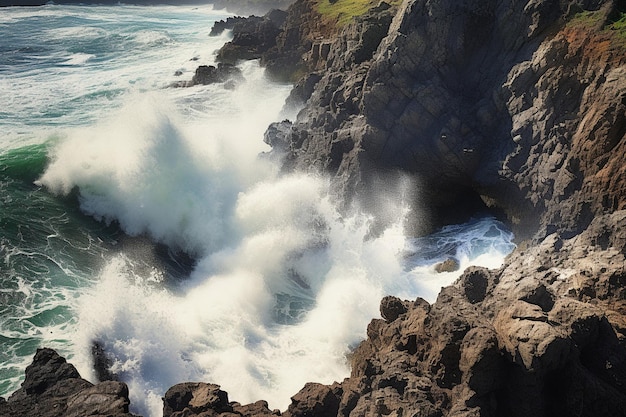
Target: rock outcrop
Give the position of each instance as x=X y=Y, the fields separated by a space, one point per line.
x=208 y=400
x=495 y=103
x=228 y=74
x=533 y=338
x=252 y=36
x=53 y=388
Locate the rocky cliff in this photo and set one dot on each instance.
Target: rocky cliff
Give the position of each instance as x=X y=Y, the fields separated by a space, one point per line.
x=510 y=105
x=499 y=101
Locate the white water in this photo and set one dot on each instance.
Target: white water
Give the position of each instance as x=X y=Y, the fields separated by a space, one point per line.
x=284 y=285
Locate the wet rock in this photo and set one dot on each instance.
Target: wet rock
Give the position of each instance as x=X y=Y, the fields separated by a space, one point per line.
x=209 y=74
x=391 y=308
x=202 y=399
x=449 y=265
x=102 y=363
x=315 y=400
x=252 y=37
x=221 y=25
x=196 y=398
x=53 y=387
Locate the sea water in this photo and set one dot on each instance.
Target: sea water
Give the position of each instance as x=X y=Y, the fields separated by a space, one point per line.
x=150 y=220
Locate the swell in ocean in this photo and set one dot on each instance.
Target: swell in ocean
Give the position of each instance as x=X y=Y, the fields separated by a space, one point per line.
x=151 y=220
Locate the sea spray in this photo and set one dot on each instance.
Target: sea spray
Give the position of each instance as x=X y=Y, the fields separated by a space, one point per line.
x=220 y=325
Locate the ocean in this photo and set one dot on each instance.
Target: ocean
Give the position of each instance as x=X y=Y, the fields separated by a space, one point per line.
x=150 y=220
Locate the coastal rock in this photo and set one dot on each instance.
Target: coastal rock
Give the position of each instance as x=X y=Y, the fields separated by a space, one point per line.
x=315 y=400
x=207 y=400
x=506 y=351
x=252 y=37
x=449 y=265
x=221 y=25
x=53 y=387
x=519 y=105
x=210 y=74
x=391 y=308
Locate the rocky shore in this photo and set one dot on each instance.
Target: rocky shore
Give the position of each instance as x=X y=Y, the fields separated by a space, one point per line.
x=513 y=106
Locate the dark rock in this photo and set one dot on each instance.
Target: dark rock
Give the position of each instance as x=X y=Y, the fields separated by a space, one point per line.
x=201 y=399
x=475 y=282
x=391 y=308
x=208 y=74
x=479 y=101
x=102 y=363
x=252 y=37
x=222 y=25
x=228 y=74
x=302 y=91
x=53 y=387
x=108 y=398
x=47 y=369
x=197 y=397
x=315 y=400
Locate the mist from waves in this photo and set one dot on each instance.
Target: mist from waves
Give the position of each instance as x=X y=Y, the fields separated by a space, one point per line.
x=284 y=285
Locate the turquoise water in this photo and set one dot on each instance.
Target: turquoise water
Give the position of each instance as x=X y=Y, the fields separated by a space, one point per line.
x=144 y=218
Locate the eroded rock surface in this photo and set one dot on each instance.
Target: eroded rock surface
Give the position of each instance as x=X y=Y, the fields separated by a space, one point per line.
x=54 y=388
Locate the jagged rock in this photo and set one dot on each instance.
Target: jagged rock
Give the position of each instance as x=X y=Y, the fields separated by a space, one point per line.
x=228 y=74
x=208 y=74
x=449 y=265
x=515 y=341
x=315 y=400
x=202 y=399
x=252 y=37
x=102 y=363
x=53 y=387
x=391 y=308
x=478 y=100
x=196 y=397
x=221 y=25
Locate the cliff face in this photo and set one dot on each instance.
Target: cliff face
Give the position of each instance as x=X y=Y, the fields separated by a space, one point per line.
x=498 y=99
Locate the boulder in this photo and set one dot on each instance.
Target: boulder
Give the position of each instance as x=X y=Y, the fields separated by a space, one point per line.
x=391 y=308
x=53 y=388
x=209 y=74
x=202 y=399
x=315 y=400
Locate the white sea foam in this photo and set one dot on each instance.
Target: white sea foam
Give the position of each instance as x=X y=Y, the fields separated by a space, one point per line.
x=152 y=37
x=78 y=59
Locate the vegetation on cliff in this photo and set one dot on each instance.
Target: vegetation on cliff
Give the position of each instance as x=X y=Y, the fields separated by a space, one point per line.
x=343 y=11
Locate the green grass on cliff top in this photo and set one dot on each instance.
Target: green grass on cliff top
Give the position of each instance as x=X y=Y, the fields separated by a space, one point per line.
x=614 y=25
x=342 y=11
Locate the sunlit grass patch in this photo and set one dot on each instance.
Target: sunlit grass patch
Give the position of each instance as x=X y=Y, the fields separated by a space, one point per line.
x=342 y=11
